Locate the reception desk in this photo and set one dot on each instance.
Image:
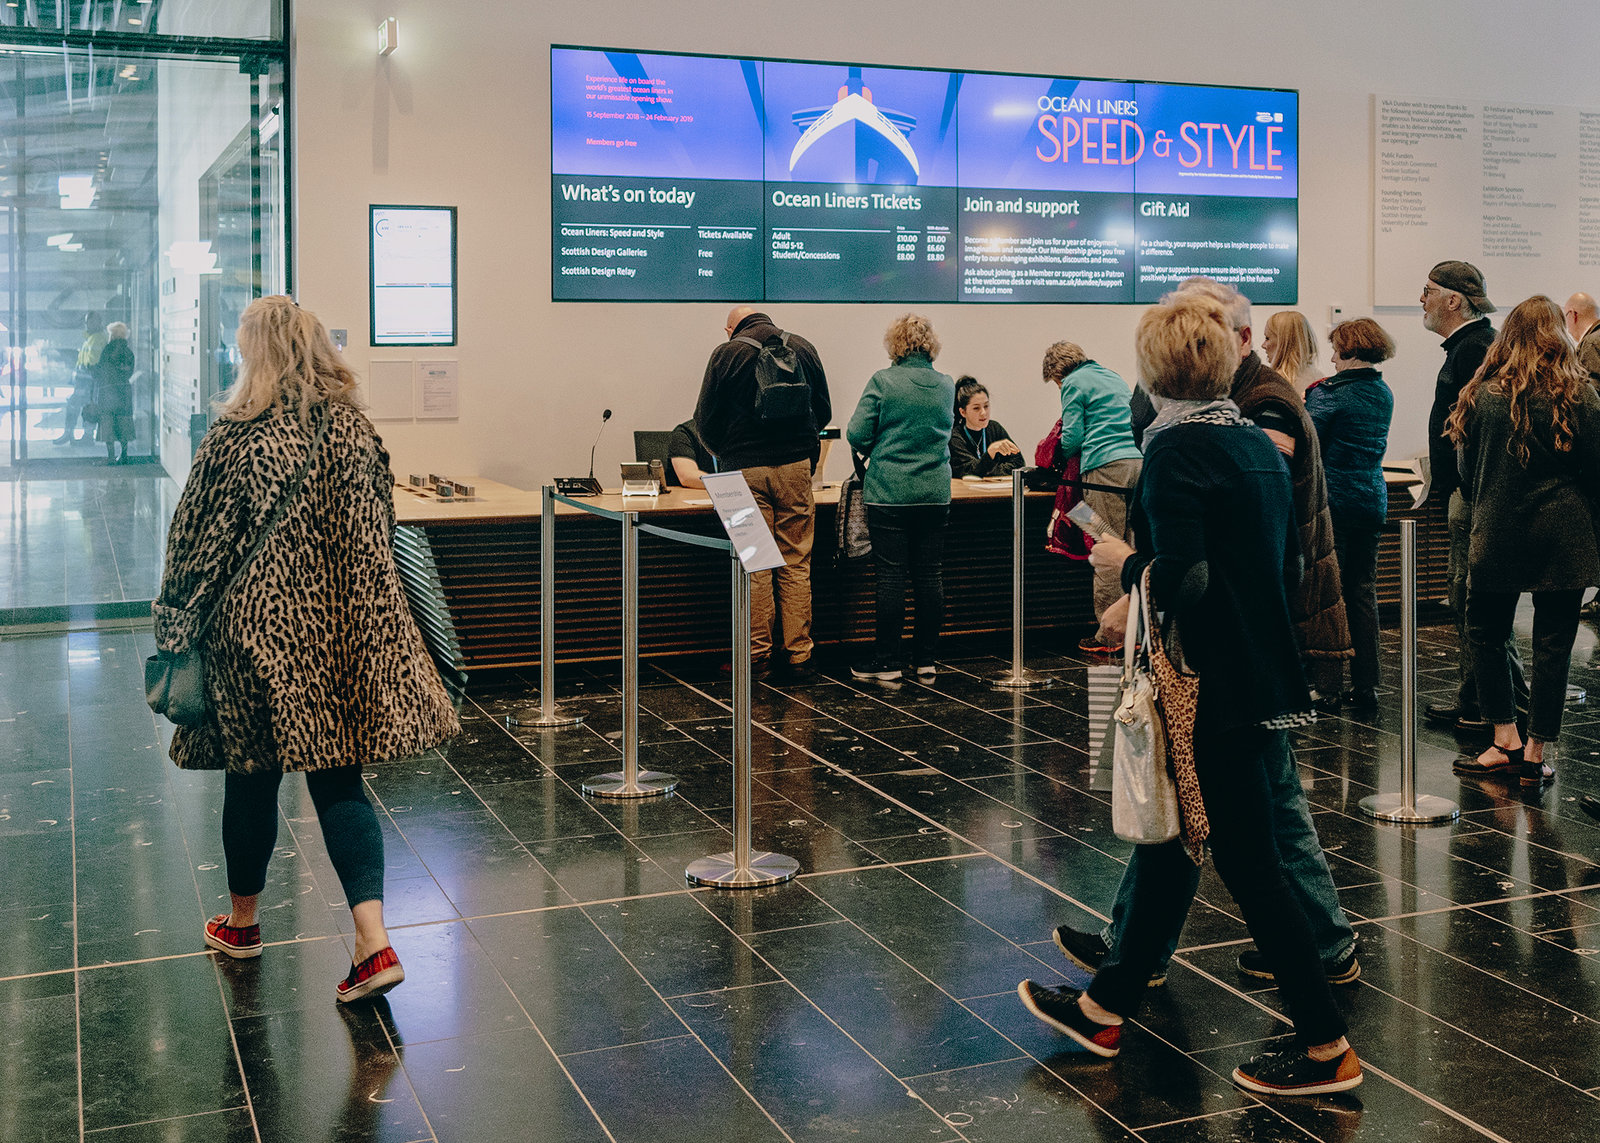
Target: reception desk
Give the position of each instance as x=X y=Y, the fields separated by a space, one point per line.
x=471 y=571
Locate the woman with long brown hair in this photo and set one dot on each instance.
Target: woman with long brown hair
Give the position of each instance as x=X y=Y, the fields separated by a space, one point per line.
x=1527 y=436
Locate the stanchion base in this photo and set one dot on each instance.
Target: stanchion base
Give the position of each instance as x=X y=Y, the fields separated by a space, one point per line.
x=1026 y=681
x=648 y=784
x=1576 y=694
x=1428 y=809
x=720 y=870
x=536 y=719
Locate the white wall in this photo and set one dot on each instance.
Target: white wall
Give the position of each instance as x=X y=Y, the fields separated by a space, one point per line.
x=459 y=115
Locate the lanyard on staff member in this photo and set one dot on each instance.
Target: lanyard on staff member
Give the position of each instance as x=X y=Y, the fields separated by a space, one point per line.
x=982 y=443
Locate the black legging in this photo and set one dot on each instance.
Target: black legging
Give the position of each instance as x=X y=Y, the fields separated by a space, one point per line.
x=349 y=830
x=1555 y=627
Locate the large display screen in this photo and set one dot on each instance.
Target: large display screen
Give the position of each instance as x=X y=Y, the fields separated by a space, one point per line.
x=412 y=256
x=705 y=178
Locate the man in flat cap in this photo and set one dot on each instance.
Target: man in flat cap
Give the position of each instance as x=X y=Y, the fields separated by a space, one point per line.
x=1455 y=306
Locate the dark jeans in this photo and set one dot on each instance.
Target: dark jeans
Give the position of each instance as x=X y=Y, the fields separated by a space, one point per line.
x=908 y=544
x=1356 y=549
x=349 y=830
x=1233 y=768
x=1460 y=520
x=1555 y=626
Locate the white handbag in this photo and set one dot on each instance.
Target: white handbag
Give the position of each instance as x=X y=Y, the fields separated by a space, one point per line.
x=1144 y=796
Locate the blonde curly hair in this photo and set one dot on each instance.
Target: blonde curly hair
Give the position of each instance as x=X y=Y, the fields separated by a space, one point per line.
x=289 y=363
x=908 y=334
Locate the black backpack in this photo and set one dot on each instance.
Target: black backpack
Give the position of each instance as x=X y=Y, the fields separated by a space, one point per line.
x=783 y=391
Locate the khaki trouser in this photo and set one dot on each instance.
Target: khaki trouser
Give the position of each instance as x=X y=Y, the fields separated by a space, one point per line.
x=784 y=494
x=1113 y=512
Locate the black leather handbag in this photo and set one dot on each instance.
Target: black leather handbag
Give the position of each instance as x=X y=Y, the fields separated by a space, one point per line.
x=175 y=682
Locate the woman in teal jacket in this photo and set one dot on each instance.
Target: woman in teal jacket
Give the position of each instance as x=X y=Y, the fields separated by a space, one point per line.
x=902 y=426
x=1096 y=426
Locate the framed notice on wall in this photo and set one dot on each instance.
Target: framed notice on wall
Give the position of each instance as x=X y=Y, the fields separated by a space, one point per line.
x=412 y=257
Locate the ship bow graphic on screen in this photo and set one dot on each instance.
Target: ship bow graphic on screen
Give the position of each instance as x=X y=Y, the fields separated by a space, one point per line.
x=875 y=137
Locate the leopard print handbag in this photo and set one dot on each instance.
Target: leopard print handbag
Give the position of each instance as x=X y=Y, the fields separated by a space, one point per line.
x=1178 y=698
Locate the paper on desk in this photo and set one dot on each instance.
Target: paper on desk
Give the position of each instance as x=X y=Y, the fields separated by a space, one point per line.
x=697 y=503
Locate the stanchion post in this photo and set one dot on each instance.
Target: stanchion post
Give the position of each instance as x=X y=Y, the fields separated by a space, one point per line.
x=1019 y=678
x=631 y=782
x=740 y=868
x=1406 y=808
x=549 y=714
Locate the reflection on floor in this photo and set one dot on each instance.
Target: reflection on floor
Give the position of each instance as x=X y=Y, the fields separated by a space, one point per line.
x=89 y=542
x=563 y=984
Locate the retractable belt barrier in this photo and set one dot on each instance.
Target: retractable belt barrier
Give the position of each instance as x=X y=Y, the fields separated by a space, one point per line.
x=1405 y=807
x=739 y=868
x=1018 y=678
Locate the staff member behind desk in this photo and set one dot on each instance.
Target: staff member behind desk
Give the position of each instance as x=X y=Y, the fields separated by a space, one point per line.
x=1096 y=427
x=979 y=446
x=902 y=426
x=687 y=456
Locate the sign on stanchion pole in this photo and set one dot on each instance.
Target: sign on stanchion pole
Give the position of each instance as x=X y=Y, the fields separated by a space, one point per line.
x=548 y=714
x=1018 y=678
x=1406 y=808
x=631 y=782
x=754 y=550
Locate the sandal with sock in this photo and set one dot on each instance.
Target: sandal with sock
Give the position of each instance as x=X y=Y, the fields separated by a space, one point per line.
x=1513 y=763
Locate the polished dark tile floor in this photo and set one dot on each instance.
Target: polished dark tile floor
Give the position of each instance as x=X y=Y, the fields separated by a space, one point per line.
x=564 y=984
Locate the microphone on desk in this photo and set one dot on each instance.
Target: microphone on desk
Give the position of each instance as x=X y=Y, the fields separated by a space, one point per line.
x=585 y=485
x=604 y=417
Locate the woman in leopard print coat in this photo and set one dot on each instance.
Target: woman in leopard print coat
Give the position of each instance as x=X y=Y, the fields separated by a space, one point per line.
x=313 y=661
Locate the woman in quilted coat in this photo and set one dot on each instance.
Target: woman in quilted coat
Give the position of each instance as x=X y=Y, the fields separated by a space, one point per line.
x=313 y=661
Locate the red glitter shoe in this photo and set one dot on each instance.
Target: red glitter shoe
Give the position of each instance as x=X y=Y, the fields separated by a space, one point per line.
x=238 y=941
x=372 y=977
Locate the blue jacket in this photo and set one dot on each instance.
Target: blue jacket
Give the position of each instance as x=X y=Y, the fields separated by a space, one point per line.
x=1351 y=411
x=1096 y=424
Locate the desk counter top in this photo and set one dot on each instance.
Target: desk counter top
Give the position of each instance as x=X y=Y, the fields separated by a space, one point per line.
x=501 y=501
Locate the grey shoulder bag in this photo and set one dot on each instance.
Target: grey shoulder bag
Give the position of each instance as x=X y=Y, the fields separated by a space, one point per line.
x=175 y=684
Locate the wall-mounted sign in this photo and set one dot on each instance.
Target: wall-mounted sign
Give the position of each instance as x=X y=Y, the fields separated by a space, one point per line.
x=413 y=274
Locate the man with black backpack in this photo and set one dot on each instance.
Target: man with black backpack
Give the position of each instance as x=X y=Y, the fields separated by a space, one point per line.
x=762 y=402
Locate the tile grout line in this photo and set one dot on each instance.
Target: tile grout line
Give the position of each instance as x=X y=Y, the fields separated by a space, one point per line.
x=820 y=1011
x=678 y=1016
x=1251 y=999
x=77 y=979
x=915 y=812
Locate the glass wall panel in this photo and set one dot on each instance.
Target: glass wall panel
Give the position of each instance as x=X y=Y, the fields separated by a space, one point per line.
x=143 y=194
x=230 y=19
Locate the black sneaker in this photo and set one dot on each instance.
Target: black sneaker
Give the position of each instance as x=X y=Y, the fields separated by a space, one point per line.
x=1088 y=951
x=1058 y=1007
x=875 y=669
x=1252 y=962
x=1289 y=1071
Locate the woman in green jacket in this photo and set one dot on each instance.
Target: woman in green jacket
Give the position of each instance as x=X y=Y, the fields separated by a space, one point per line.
x=902 y=426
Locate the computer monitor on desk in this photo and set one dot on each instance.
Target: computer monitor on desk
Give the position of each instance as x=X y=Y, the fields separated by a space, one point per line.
x=652 y=444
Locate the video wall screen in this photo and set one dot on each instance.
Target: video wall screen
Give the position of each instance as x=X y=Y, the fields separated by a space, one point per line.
x=706 y=178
